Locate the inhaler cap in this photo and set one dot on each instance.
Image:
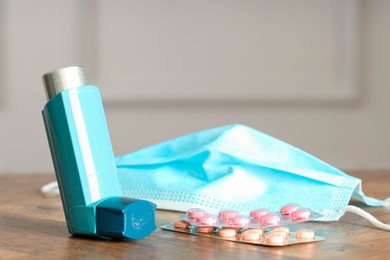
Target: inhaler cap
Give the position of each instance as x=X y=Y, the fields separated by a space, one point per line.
x=125 y=218
x=62 y=79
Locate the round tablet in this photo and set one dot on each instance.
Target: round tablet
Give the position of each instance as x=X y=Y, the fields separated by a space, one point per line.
x=227 y=232
x=269 y=219
x=227 y=214
x=256 y=230
x=279 y=233
x=283 y=229
x=205 y=229
x=195 y=213
x=250 y=235
x=275 y=239
x=206 y=220
x=238 y=221
x=304 y=234
x=256 y=214
x=237 y=229
x=181 y=224
x=288 y=209
x=301 y=214
x=224 y=221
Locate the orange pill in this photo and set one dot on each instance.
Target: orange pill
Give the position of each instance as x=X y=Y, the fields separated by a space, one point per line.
x=276 y=238
x=227 y=232
x=282 y=229
x=258 y=230
x=250 y=235
x=181 y=224
x=304 y=234
x=237 y=229
x=205 y=229
x=279 y=233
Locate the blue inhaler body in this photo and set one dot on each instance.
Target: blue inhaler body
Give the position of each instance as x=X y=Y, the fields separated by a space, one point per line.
x=84 y=162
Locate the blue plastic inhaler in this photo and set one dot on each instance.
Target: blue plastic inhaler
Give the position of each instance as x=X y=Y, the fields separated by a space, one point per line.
x=84 y=162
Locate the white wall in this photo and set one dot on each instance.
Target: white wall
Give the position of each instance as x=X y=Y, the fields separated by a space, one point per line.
x=38 y=36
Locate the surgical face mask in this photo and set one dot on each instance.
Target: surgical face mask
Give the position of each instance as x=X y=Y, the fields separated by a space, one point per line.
x=237 y=167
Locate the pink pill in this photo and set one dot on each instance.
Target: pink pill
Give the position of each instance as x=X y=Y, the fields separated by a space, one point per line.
x=256 y=214
x=227 y=214
x=195 y=213
x=287 y=210
x=206 y=221
x=301 y=214
x=239 y=221
x=270 y=219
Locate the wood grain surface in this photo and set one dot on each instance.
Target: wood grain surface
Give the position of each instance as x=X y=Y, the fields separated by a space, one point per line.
x=33 y=227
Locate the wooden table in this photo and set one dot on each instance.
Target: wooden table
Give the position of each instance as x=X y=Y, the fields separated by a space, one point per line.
x=32 y=226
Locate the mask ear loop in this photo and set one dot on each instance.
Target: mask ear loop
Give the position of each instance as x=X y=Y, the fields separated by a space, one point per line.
x=366 y=215
x=50 y=189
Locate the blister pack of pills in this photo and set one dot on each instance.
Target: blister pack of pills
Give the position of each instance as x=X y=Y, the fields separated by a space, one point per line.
x=287 y=215
x=260 y=226
x=276 y=236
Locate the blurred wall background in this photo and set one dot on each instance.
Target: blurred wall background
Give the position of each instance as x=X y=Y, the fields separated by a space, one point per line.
x=312 y=73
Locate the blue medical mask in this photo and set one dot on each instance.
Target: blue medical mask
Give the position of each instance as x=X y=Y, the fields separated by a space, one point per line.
x=236 y=167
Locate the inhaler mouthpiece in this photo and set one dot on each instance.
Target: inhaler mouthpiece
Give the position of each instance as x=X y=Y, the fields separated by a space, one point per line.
x=62 y=79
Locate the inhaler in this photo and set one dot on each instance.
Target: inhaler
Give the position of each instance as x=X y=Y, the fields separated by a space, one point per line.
x=84 y=162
